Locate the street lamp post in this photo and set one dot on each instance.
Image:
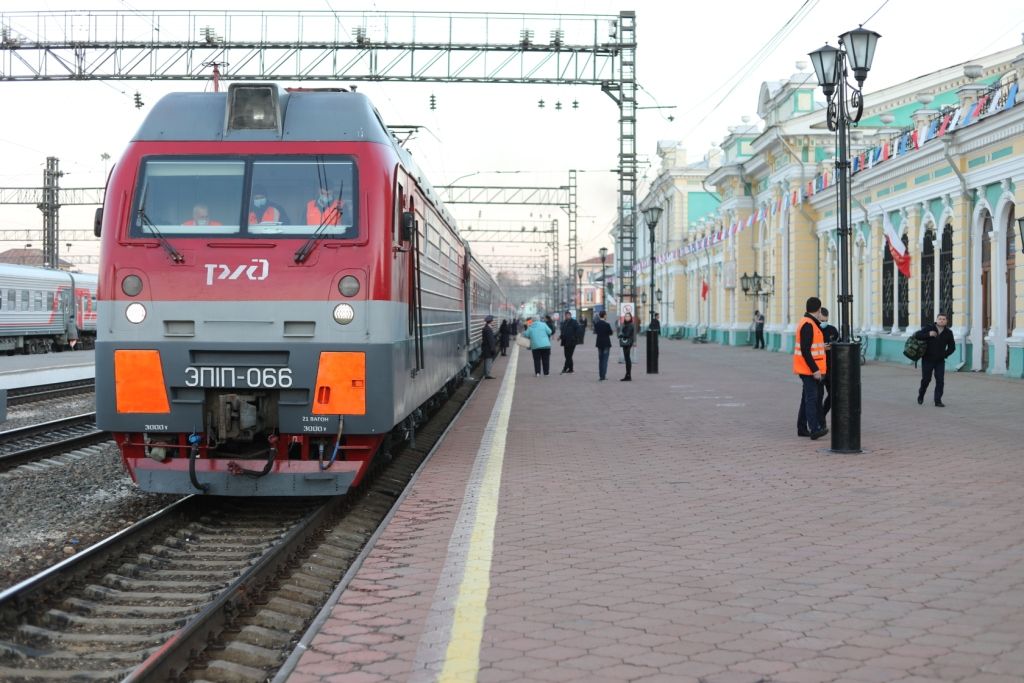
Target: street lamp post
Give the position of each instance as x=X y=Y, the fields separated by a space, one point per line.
x=579 y=290
x=651 y=216
x=603 y=251
x=857 y=50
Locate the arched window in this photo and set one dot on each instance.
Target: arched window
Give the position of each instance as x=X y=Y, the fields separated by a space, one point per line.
x=928 y=278
x=946 y=273
x=887 y=270
x=904 y=294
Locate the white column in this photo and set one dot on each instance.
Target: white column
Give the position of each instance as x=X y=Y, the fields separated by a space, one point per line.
x=998 y=331
x=977 y=334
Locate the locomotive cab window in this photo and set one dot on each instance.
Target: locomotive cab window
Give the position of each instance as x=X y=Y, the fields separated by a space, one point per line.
x=265 y=197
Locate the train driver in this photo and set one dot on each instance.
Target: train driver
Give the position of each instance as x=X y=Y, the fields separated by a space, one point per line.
x=264 y=211
x=324 y=209
x=201 y=216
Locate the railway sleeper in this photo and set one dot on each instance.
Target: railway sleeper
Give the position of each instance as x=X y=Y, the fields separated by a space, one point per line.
x=37 y=635
x=255 y=656
x=272 y=619
x=292 y=591
x=221 y=671
x=309 y=582
x=99 y=624
x=254 y=634
x=157 y=583
x=35 y=676
x=80 y=606
x=114 y=596
x=285 y=606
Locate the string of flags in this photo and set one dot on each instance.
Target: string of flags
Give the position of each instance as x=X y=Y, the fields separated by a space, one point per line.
x=989 y=103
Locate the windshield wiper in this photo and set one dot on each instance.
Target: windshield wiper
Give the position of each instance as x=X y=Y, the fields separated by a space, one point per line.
x=303 y=252
x=176 y=256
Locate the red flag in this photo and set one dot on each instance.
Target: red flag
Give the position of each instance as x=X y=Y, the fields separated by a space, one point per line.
x=900 y=255
x=703 y=289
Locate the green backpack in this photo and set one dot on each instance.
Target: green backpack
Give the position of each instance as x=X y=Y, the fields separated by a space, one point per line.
x=914 y=348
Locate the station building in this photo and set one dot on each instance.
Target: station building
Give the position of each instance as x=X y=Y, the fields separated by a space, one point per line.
x=937 y=163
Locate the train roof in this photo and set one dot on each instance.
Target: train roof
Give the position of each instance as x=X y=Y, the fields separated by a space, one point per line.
x=272 y=115
x=14 y=270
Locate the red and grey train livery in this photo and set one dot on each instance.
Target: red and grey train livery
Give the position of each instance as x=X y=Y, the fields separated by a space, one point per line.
x=281 y=294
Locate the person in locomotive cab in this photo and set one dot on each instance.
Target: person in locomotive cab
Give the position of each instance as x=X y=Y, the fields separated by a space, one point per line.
x=264 y=211
x=201 y=216
x=325 y=209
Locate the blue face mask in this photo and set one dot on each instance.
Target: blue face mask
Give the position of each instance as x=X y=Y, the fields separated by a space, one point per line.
x=259 y=203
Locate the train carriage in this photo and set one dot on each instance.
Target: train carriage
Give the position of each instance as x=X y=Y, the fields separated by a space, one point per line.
x=281 y=294
x=44 y=310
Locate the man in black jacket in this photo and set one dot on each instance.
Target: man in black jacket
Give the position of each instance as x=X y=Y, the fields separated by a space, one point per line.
x=569 y=333
x=488 y=346
x=940 y=346
x=603 y=335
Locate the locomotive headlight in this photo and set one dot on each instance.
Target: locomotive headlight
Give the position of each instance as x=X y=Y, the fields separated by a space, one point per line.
x=135 y=313
x=343 y=314
x=131 y=285
x=349 y=285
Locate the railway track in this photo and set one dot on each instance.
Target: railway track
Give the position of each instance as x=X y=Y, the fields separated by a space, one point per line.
x=45 y=392
x=211 y=589
x=35 y=442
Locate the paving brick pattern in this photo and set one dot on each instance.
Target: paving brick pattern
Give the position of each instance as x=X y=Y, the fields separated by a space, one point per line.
x=676 y=529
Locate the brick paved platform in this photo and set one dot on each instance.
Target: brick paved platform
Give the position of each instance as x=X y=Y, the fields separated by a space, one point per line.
x=676 y=529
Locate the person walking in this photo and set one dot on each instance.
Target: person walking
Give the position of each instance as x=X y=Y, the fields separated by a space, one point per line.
x=603 y=335
x=758 y=330
x=540 y=345
x=488 y=346
x=568 y=334
x=550 y=322
x=503 y=333
x=940 y=346
x=831 y=334
x=627 y=338
x=809 y=362
x=583 y=329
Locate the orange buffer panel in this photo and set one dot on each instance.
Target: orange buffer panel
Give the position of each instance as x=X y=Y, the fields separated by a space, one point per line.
x=340 y=384
x=139 y=382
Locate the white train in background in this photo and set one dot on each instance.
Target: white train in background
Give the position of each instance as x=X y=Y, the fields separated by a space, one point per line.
x=43 y=310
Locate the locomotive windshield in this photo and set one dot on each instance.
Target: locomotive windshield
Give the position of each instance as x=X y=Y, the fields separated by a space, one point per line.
x=286 y=197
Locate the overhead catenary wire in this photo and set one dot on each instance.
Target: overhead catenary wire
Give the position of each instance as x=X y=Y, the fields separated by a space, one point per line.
x=755 y=61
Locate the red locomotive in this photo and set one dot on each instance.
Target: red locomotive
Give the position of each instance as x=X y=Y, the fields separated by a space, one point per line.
x=280 y=294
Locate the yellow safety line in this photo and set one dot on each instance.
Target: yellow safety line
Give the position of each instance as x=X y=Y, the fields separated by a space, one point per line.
x=462 y=658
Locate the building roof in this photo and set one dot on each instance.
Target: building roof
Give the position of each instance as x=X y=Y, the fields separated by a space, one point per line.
x=596 y=261
x=30 y=257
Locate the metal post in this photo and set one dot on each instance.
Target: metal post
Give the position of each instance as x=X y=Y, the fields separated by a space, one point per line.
x=652 y=337
x=845 y=376
x=856 y=50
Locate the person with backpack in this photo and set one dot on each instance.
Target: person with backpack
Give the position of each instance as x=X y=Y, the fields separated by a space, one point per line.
x=939 y=346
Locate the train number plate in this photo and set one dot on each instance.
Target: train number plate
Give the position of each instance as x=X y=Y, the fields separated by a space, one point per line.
x=207 y=377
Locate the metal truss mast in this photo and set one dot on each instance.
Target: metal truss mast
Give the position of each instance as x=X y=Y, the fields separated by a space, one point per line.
x=567 y=49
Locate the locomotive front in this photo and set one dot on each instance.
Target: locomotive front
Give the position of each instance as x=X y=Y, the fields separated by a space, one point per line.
x=244 y=295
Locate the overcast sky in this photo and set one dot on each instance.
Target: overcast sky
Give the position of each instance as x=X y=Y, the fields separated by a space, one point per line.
x=706 y=59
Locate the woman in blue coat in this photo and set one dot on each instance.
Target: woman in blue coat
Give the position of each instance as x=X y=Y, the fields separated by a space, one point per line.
x=540 y=344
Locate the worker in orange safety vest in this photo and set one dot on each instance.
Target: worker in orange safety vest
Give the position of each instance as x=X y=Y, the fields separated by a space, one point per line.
x=810 y=363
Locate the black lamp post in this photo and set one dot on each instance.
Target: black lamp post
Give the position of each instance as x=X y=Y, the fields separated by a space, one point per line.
x=579 y=290
x=651 y=216
x=603 y=251
x=857 y=50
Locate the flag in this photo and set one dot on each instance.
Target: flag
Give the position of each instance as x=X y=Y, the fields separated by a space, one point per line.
x=944 y=125
x=1011 y=97
x=703 y=289
x=900 y=255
